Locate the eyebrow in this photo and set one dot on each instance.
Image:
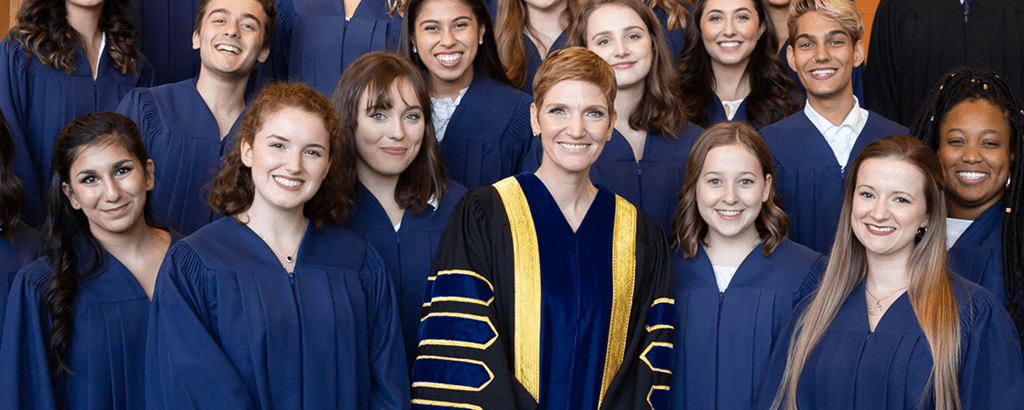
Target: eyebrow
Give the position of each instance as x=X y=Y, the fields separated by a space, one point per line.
x=244 y=15
x=720 y=11
x=606 y=32
x=985 y=131
x=439 y=22
x=116 y=165
x=832 y=33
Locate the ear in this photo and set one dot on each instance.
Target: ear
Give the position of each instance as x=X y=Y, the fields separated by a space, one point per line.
x=791 y=59
x=150 y=180
x=762 y=29
x=72 y=198
x=482 y=31
x=611 y=127
x=534 y=123
x=264 y=53
x=858 y=53
x=246 y=153
x=195 y=40
x=767 y=188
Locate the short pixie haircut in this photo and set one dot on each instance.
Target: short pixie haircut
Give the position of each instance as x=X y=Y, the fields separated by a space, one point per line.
x=843 y=12
x=574 y=63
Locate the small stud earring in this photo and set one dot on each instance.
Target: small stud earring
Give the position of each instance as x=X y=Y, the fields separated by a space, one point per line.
x=480 y=42
x=414 y=49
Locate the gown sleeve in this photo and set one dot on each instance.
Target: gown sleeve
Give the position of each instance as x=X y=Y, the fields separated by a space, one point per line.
x=880 y=88
x=992 y=372
x=25 y=372
x=518 y=137
x=185 y=365
x=13 y=105
x=463 y=360
x=387 y=351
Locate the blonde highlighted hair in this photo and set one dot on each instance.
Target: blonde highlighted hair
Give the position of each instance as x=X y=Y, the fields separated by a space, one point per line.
x=843 y=12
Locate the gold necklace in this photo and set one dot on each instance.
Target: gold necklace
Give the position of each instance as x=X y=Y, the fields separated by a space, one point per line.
x=876 y=308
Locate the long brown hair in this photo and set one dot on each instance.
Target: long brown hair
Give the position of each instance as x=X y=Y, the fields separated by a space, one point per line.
x=375 y=73
x=660 y=111
x=510 y=22
x=233 y=189
x=12 y=192
x=689 y=228
x=929 y=290
x=43 y=31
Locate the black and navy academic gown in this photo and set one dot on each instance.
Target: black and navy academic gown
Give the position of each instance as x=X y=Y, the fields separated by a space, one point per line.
x=408 y=252
x=520 y=309
x=38 y=101
x=313 y=42
x=533 y=57
x=230 y=329
x=978 y=254
x=22 y=248
x=165 y=33
x=108 y=340
x=183 y=140
x=854 y=368
x=716 y=112
x=489 y=133
x=856 y=77
x=726 y=338
x=808 y=178
x=915 y=42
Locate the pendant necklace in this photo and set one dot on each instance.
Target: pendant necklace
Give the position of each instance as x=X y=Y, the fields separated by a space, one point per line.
x=287 y=258
x=876 y=308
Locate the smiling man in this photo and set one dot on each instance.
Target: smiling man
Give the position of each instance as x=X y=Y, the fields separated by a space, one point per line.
x=187 y=126
x=812 y=148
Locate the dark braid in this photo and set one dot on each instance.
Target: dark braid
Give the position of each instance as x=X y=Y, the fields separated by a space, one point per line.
x=961 y=85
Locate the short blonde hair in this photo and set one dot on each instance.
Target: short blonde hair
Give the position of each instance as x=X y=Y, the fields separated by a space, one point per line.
x=842 y=11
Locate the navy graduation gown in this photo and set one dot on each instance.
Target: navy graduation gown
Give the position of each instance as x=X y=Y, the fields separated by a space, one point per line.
x=38 y=101
x=674 y=39
x=716 y=112
x=22 y=248
x=183 y=140
x=313 y=42
x=978 y=254
x=726 y=338
x=489 y=133
x=808 y=178
x=854 y=368
x=529 y=311
x=857 y=76
x=533 y=57
x=165 y=31
x=108 y=340
x=230 y=329
x=407 y=253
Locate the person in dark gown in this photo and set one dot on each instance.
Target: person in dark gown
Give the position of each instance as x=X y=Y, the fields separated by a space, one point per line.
x=161 y=37
x=915 y=42
x=812 y=148
x=730 y=69
x=890 y=327
x=189 y=126
x=403 y=198
x=671 y=15
x=315 y=40
x=527 y=31
x=74 y=335
x=973 y=120
x=737 y=277
x=61 y=60
x=274 y=305
x=19 y=243
x=548 y=291
x=480 y=118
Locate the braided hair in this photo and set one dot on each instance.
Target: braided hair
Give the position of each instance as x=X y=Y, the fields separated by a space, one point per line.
x=961 y=85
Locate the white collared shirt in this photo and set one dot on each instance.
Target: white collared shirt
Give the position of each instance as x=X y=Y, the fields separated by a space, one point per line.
x=443 y=110
x=842 y=137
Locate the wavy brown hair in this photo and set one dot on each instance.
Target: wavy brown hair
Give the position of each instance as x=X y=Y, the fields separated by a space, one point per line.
x=660 y=111
x=771 y=89
x=233 y=189
x=677 y=10
x=43 y=31
x=689 y=228
x=269 y=7
x=12 y=192
x=510 y=22
x=929 y=290
x=375 y=74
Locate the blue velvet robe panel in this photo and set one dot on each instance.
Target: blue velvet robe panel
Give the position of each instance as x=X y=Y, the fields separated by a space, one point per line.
x=726 y=338
x=230 y=328
x=978 y=254
x=809 y=180
x=183 y=140
x=38 y=101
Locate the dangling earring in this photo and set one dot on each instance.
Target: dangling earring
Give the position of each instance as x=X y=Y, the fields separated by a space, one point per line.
x=921 y=232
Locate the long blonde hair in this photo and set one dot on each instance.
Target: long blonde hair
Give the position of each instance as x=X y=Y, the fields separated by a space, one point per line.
x=929 y=289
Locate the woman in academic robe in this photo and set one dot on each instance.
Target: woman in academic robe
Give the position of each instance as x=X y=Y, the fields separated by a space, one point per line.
x=63 y=59
x=19 y=243
x=527 y=31
x=274 y=306
x=737 y=276
x=730 y=69
x=403 y=198
x=671 y=15
x=74 y=336
x=890 y=327
x=548 y=291
x=480 y=118
x=973 y=119
x=645 y=161
x=315 y=40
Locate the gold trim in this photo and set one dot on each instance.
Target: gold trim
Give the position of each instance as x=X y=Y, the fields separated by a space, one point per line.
x=526 y=261
x=653 y=388
x=643 y=356
x=623 y=278
x=460 y=298
x=444 y=386
x=429 y=279
x=467 y=273
x=446 y=404
x=658 y=302
x=446 y=342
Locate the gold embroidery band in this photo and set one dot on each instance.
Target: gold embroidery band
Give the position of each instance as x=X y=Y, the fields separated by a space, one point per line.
x=623 y=277
x=527 y=283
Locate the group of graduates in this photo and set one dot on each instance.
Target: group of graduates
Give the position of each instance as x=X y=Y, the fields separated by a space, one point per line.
x=509 y=204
